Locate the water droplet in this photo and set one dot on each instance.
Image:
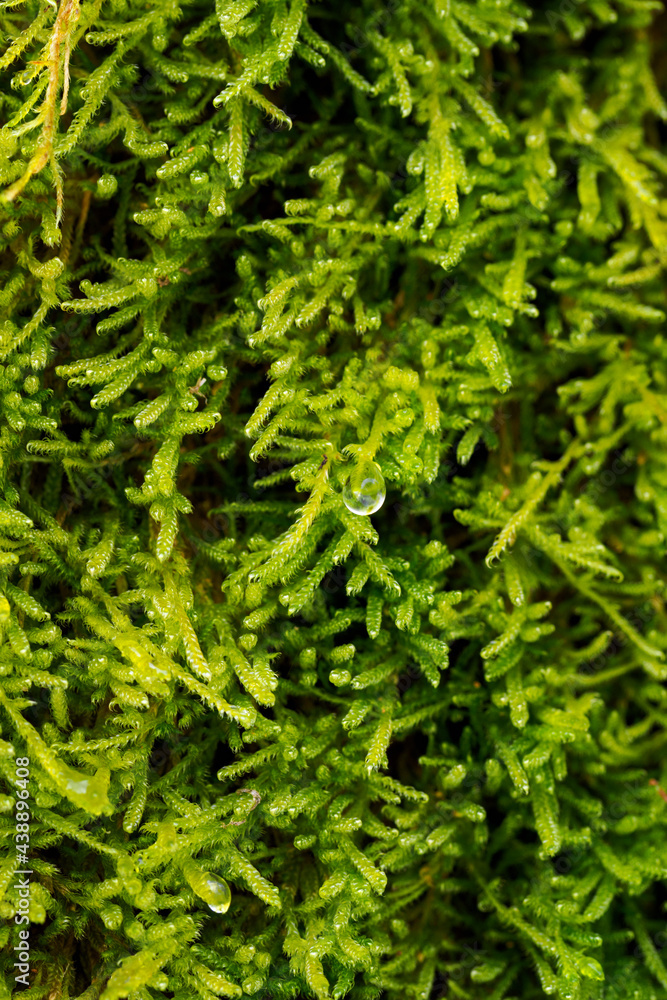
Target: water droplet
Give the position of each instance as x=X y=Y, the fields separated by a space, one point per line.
x=215 y=892
x=364 y=492
x=219 y=895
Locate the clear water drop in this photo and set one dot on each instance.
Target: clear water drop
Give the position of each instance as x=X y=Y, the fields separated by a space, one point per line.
x=213 y=891
x=219 y=896
x=364 y=492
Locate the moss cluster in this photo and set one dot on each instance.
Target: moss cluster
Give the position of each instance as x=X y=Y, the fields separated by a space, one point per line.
x=256 y=254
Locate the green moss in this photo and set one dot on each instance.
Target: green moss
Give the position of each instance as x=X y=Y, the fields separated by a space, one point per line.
x=265 y=246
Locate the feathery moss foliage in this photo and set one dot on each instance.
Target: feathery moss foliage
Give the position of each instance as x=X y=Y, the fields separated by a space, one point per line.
x=249 y=247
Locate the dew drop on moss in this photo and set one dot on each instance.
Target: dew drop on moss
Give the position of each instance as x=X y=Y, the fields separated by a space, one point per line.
x=219 y=896
x=364 y=492
x=213 y=891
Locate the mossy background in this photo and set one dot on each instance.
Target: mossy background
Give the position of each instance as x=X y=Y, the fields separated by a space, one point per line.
x=246 y=246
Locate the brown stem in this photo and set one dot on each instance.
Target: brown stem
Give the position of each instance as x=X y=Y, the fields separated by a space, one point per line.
x=65 y=23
